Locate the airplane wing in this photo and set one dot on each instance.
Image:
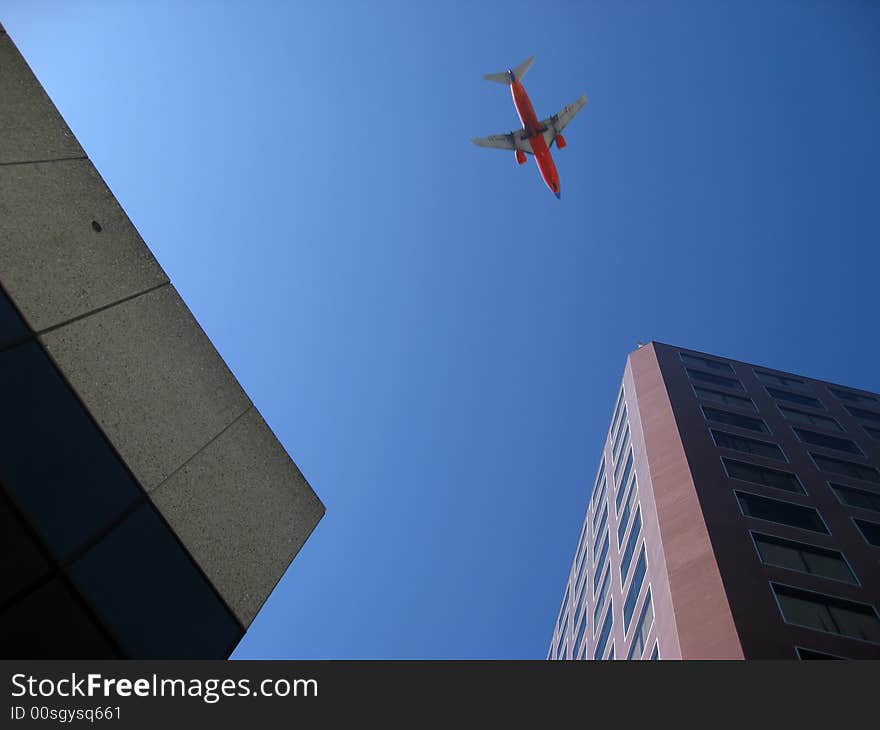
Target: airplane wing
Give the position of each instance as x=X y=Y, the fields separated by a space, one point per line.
x=512 y=141
x=554 y=125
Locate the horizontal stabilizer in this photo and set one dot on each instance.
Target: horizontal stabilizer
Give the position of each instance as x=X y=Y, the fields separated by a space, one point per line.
x=518 y=72
x=500 y=78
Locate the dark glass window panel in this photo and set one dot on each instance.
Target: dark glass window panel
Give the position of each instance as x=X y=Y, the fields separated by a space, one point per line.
x=705 y=362
x=620 y=403
x=600 y=561
x=12 y=326
x=785 y=381
x=643 y=628
x=623 y=480
x=632 y=594
x=763 y=475
x=847 y=468
x=52 y=623
x=727 y=399
x=57 y=464
x=698 y=376
x=634 y=534
x=811 y=419
x=735 y=419
x=619 y=429
x=579 y=637
x=871 y=531
x=610 y=655
x=857 y=497
x=598 y=501
x=746 y=445
x=863 y=414
x=624 y=517
x=803 y=400
x=853 y=397
x=601 y=527
x=599 y=650
x=582 y=549
x=810 y=559
x=813 y=654
x=827 y=613
x=655 y=655
x=151 y=595
x=581 y=607
x=828 y=442
x=562 y=651
x=600 y=597
x=783 y=513
x=624 y=442
x=872 y=432
x=23 y=562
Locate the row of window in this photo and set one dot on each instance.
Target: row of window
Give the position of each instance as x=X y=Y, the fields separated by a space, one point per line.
x=770 y=379
x=784 y=398
x=804 y=608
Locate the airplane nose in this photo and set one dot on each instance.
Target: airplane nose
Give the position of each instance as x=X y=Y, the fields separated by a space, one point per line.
x=559 y=196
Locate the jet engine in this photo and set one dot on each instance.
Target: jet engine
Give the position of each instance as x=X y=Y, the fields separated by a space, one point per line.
x=560 y=141
x=520 y=157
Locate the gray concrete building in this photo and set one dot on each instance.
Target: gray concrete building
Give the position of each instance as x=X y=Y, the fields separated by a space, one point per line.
x=146 y=508
x=735 y=515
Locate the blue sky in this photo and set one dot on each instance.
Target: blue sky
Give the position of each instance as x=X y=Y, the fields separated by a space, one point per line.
x=436 y=340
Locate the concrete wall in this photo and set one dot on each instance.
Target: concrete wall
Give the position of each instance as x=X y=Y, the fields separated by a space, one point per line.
x=101 y=306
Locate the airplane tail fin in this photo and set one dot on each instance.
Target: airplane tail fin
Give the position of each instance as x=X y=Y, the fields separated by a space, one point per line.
x=518 y=72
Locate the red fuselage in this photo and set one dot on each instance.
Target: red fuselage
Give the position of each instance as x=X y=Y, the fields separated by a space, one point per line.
x=533 y=131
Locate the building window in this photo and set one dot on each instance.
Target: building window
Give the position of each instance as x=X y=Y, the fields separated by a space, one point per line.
x=727 y=399
x=847 y=468
x=600 y=598
x=561 y=651
x=803 y=653
x=628 y=466
x=863 y=414
x=615 y=441
x=874 y=433
x=634 y=534
x=853 y=397
x=610 y=655
x=784 y=380
x=655 y=655
x=762 y=475
x=826 y=441
x=782 y=513
x=600 y=562
x=599 y=650
x=596 y=513
x=632 y=595
x=827 y=613
x=870 y=531
x=803 y=400
x=620 y=403
x=624 y=442
x=698 y=376
x=643 y=628
x=620 y=489
x=734 y=419
x=810 y=419
x=746 y=445
x=803 y=558
x=579 y=638
x=853 y=497
x=601 y=528
x=705 y=362
x=627 y=510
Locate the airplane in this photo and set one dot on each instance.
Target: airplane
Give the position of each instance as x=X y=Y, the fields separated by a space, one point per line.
x=535 y=138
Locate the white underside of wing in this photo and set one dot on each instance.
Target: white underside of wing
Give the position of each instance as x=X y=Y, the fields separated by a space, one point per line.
x=512 y=141
x=554 y=125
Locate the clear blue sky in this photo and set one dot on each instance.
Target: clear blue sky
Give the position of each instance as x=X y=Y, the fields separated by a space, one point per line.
x=436 y=339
